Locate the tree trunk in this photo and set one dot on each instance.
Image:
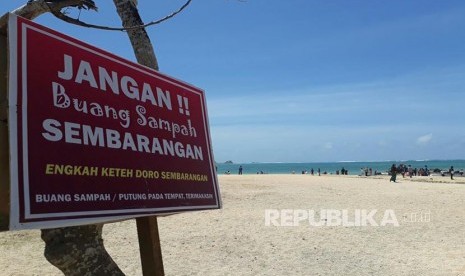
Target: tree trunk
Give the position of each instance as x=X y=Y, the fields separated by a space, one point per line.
x=143 y=49
x=79 y=250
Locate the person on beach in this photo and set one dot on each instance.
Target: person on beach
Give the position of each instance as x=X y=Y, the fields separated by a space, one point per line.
x=312 y=171
x=451 y=171
x=393 y=173
x=240 y=170
x=319 y=172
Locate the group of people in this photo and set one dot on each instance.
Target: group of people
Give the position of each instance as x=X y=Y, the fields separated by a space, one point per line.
x=368 y=172
x=318 y=171
x=312 y=172
x=404 y=170
x=408 y=170
x=241 y=170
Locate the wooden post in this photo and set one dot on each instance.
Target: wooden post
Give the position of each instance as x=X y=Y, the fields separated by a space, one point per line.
x=4 y=153
x=149 y=246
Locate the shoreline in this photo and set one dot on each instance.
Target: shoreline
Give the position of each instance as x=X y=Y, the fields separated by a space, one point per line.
x=422 y=179
x=352 y=168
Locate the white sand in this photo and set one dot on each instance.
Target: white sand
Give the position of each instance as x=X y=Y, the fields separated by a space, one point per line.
x=235 y=240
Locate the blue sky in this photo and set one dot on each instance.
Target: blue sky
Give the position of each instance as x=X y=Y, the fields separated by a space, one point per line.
x=310 y=81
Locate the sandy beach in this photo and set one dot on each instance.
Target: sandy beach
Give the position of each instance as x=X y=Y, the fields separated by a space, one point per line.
x=428 y=240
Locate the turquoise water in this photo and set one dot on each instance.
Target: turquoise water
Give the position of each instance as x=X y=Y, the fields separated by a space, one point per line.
x=331 y=167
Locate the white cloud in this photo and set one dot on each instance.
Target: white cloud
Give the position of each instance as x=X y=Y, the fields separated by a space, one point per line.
x=425 y=139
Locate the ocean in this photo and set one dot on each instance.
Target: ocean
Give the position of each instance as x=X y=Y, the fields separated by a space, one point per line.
x=353 y=168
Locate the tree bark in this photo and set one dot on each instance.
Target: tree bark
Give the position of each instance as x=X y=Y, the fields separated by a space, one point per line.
x=140 y=41
x=78 y=251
